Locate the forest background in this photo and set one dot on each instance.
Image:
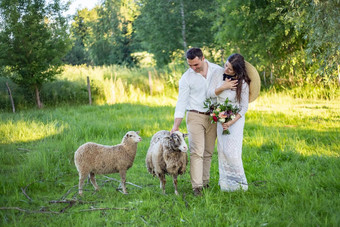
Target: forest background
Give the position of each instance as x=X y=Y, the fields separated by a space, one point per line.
x=293 y=44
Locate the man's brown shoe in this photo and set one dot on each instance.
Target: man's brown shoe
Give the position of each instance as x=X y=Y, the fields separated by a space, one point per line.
x=197 y=191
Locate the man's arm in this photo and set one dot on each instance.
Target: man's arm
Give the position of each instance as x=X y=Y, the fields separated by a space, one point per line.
x=182 y=102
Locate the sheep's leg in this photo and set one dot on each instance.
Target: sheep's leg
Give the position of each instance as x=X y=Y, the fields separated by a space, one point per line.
x=82 y=178
x=174 y=181
x=163 y=181
x=123 y=180
x=93 y=181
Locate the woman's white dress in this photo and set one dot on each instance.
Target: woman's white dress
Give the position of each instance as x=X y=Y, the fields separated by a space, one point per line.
x=229 y=147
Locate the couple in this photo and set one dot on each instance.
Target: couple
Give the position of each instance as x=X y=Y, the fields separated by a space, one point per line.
x=207 y=80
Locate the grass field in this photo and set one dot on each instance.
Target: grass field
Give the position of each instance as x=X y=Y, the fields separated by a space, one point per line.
x=291 y=155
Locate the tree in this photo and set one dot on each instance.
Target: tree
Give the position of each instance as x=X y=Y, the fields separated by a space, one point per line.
x=257 y=29
x=293 y=37
x=319 y=21
x=165 y=27
x=33 y=40
x=112 y=41
x=81 y=32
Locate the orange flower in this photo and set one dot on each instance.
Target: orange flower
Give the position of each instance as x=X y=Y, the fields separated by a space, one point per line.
x=221 y=115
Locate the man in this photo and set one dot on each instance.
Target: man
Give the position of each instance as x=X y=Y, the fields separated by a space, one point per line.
x=202 y=134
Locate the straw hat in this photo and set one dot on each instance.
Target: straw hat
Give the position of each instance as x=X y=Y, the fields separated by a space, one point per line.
x=255 y=83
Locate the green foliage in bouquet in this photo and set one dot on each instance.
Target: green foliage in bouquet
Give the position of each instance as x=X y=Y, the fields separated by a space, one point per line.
x=221 y=112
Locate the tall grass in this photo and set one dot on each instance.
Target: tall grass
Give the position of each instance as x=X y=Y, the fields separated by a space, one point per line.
x=317 y=90
x=109 y=85
x=118 y=84
x=290 y=155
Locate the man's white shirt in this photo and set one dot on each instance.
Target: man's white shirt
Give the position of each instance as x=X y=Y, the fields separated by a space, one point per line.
x=193 y=88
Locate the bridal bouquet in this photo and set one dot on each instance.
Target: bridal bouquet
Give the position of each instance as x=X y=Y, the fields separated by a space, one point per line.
x=221 y=112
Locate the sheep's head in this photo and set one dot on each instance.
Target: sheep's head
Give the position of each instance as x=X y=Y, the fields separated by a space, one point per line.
x=177 y=141
x=132 y=136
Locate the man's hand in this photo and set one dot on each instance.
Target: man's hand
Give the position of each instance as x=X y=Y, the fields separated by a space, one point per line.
x=174 y=130
x=177 y=123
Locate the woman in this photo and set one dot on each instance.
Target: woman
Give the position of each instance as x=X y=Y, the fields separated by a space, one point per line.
x=236 y=89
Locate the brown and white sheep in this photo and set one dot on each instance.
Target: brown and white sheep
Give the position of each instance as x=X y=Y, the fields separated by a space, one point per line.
x=92 y=158
x=167 y=154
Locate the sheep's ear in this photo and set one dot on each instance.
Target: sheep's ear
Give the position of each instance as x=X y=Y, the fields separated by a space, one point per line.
x=185 y=135
x=137 y=132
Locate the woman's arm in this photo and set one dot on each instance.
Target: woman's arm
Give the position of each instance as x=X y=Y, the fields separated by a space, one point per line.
x=244 y=99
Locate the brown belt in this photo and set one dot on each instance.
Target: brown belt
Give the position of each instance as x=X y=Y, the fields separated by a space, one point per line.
x=195 y=111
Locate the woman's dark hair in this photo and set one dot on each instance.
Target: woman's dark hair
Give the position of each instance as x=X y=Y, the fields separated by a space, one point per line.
x=239 y=67
x=194 y=52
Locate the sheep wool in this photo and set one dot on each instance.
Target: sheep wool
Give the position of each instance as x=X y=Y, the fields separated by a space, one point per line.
x=167 y=154
x=91 y=158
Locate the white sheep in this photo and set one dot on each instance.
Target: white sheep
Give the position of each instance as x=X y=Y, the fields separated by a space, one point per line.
x=167 y=154
x=91 y=158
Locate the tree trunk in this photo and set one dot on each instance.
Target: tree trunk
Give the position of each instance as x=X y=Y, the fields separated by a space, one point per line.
x=183 y=27
x=11 y=97
x=37 y=97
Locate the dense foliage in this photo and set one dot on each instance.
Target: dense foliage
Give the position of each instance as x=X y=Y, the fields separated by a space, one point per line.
x=320 y=24
x=165 y=27
x=292 y=39
x=288 y=39
x=104 y=35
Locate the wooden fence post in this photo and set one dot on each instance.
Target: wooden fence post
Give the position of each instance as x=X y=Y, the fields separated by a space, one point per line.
x=113 y=92
x=264 y=77
x=89 y=90
x=338 y=74
x=11 y=98
x=271 y=77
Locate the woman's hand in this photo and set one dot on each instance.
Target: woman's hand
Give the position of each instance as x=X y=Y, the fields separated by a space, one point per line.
x=229 y=84
x=226 y=125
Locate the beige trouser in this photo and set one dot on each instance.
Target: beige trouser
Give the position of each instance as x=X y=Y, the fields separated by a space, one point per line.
x=202 y=137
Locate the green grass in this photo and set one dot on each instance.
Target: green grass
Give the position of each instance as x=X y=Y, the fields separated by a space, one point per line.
x=291 y=155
